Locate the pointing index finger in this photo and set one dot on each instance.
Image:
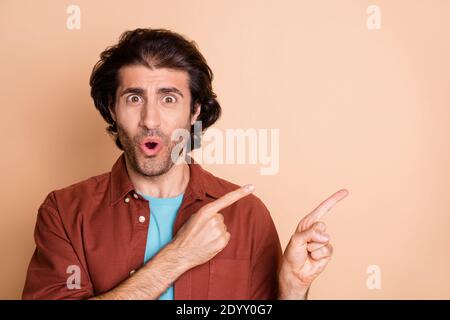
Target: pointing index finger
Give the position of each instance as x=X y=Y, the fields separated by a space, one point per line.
x=229 y=198
x=324 y=207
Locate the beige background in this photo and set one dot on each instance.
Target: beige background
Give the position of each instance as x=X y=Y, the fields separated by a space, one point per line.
x=363 y=109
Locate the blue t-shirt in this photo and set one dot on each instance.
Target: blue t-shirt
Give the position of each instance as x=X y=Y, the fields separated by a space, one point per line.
x=163 y=212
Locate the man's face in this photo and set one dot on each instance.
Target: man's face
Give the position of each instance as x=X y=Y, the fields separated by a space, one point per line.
x=150 y=105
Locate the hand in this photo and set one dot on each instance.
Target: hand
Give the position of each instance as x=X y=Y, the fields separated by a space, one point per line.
x=205 y=234
x=308 y=251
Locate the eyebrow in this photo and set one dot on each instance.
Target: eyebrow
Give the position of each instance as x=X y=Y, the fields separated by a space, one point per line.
x=141 y=91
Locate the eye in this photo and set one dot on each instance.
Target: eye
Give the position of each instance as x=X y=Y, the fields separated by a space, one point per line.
x=169 y=99
x=134 y=99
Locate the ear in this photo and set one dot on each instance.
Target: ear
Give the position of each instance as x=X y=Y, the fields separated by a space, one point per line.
x=196 y=114
x=112 y=112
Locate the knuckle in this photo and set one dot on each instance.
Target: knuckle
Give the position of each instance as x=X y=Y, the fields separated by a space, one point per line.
x=313 y=234
x=228 y=197
x=216 y=220
x=314 y=255
x=315 y=246
x=223 y=241
x=202 y=211
x=322 y=252
x=318 y=235
x=215 y=235
x=224 y=228
x=330 y=249
x=220 y=217
x=213 y=222
x=320 y=226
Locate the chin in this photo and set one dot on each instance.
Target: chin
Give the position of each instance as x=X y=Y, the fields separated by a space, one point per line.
x=154 y=166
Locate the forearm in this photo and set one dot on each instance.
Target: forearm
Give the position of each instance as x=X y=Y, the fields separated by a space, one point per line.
x=150 y=281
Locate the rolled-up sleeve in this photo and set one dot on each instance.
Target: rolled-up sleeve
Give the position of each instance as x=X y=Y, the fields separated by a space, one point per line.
x=55 y=271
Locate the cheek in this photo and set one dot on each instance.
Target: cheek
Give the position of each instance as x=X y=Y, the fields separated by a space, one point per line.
x=176 y=119
x=127 y=133
x=129 y=121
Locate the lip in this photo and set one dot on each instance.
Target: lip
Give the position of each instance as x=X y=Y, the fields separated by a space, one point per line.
x=155 y=150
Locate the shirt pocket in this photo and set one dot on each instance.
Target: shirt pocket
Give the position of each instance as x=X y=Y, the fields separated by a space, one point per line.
x=229 y=279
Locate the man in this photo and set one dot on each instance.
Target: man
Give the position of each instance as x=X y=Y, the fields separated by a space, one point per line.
x=153 y=229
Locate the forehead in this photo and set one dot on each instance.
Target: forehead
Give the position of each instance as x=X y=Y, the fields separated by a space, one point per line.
x=141 y=76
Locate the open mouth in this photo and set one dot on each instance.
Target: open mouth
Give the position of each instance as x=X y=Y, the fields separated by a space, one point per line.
x=151 y=145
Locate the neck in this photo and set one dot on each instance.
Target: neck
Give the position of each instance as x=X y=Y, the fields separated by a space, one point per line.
x=168 y=185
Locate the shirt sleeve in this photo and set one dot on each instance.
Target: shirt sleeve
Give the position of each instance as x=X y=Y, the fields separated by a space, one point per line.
x=55 y=271
x=266 y=258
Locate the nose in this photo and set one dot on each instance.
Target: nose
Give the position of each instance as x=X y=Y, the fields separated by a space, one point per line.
x=150 y=116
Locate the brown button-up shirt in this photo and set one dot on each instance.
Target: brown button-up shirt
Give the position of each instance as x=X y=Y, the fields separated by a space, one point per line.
x=96 y=227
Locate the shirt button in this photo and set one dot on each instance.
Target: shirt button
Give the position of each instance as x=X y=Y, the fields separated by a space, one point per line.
x=132 y=271
x=127 y=200
x=135 y=196
x=141 y=219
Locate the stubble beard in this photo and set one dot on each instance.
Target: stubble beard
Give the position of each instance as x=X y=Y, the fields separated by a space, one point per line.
x=148 y=166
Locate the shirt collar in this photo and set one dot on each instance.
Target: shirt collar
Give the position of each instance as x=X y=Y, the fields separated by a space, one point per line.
x=201 y=182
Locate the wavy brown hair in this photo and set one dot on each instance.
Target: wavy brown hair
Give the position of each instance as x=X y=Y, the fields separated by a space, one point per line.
x=154 y=48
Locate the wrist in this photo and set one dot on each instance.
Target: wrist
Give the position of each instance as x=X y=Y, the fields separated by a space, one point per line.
x=292 y=293
x=176 y=258
x=166 y=262
x=290 y=287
